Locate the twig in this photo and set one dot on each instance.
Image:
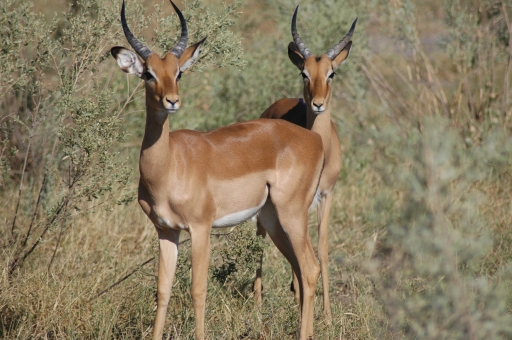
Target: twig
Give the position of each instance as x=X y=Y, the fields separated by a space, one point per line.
x=13 y=227
x=128 y=99
x=184 y=241
x=139 y=267
x=35 y=212
x=122 y=279
x=56 y=245
x=20 y=259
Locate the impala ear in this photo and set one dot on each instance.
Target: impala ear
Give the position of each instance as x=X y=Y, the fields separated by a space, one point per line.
x=342 y=56
x=190 y=55
x=127 y=60
x=295 y=56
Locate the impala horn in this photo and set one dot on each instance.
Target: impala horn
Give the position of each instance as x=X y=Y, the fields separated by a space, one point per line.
x=180 y=46
x=336 y=49
x=141 y=50
x=296 y=38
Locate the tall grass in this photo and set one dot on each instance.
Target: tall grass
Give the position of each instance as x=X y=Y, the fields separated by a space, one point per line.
x=420 y=242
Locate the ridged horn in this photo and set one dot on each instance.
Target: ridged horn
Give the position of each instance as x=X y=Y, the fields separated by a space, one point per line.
x=180 y=46
x=336 y=49
x=296 y=38
x=141 y=50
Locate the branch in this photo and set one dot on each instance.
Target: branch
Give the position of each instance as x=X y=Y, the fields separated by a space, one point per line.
x=20 y=259
x=122 y=279
x=35 y=212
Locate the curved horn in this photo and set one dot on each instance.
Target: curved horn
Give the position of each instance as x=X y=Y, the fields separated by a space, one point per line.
x=336 y=49
x=141 y=50
x=298 y=41
x=179 y=48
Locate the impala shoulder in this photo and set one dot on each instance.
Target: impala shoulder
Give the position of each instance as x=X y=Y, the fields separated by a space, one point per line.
x=183 y=141
x=184 y=134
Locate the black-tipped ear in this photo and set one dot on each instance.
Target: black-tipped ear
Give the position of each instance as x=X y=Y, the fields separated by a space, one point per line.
x=115 y=51
x=342 y=56
x=295 y=56
x=190 y=55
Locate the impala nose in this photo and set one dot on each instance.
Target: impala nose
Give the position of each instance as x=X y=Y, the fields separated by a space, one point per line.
x=171 y=102
x=174 y=105
x=318 y=107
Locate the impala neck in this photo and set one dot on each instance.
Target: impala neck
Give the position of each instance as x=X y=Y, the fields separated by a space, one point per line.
x=321 y=124
x=155 y=144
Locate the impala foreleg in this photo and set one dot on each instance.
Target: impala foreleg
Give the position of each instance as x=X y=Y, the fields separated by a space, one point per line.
x=200 y=258
x=323 y=245
x=257 y=287
x=167 y=258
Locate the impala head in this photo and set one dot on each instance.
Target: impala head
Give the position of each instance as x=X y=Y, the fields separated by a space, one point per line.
x=161 y=75
x=318 y=72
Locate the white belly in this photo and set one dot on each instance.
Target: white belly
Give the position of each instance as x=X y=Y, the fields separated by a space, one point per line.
x=238 y=217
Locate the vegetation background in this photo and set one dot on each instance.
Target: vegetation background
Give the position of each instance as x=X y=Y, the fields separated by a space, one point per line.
x=420 y=241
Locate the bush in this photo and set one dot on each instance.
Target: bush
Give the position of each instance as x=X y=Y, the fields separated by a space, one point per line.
x=428 y=269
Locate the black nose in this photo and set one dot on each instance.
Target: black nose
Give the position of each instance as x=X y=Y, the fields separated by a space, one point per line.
x=172 y=102
x=318 y=105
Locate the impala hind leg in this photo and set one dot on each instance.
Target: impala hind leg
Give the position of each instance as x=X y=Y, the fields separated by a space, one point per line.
x=307 y=276
x=295 y=245
x=324 y=208
x=323 y=245
x=200 y=258
x=294 y=287
x=257 y=287
x=167 y=256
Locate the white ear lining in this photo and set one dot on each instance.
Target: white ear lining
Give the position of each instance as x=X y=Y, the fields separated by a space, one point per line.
x=129 y=62
x=191 y=60
x=348 y=53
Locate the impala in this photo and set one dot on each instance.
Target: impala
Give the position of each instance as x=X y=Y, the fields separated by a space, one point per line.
x=194 y=181
x=314 y=113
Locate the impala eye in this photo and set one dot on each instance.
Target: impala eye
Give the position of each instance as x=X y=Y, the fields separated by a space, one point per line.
x=148 y=76
x=179 y=76
x=304 y=75
x=332 y=75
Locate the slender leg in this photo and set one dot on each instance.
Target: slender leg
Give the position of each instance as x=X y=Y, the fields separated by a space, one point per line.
x=269 y=221
x=167 y=258
x=296 y=229
x=294 y=287
x=323 y=245
x=257 y=282
x=200 y=237
x=295 y=245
